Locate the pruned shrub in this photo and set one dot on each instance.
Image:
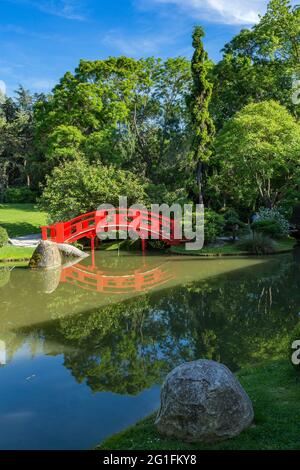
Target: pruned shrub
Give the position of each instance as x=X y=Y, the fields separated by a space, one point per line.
x=3 y=237
x=258 y=244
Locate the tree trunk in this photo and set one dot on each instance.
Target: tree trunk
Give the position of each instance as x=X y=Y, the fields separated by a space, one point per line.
x=200 y=181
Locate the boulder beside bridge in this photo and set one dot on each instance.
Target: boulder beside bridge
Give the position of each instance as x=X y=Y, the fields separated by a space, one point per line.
x=49 y=255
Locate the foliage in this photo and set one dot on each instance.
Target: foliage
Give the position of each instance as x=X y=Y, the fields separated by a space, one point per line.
x=270 y=228
x=258 y=244
x=157 y=118
x=19 y=194
x=3 y=237
x=290 y=197
x=69 y=193
x=17 y=140
x=121 y=111
x=202 y=124
x=233 y=224
x=257 y=153
x=271 y=222
x=213 y=225
x=259 y=64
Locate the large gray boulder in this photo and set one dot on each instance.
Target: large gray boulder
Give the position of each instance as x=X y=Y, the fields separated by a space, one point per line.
x=46 y=256
x=202 y=401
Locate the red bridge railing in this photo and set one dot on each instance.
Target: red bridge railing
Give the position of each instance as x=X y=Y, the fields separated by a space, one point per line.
x=146 y=224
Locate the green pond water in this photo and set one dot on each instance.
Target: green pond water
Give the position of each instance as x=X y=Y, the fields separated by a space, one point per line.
x=83 y=350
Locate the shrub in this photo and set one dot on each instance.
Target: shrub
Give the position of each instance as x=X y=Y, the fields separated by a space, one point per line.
x=272 y=223
x=20 y=194
x=78 y=187
x=259 y=245
x=213 y=225
x=233 y=224
x=3 y=237
x=270 y=228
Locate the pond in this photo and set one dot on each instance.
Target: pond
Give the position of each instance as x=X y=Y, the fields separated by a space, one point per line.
x=83 y=350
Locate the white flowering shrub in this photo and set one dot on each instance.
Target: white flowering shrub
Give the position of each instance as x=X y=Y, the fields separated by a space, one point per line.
x=272 y=217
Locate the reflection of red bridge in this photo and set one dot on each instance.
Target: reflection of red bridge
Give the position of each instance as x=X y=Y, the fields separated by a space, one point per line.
x=139 y=280
x=146 y=225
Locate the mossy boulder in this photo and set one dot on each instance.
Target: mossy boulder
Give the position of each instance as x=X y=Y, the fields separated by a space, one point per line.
x=46 y=256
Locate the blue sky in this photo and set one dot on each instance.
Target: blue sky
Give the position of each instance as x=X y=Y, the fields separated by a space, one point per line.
x=41 y=39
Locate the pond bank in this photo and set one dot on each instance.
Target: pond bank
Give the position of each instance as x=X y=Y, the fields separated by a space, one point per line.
x=11 y=254
x=274 y=388
x=230 y=249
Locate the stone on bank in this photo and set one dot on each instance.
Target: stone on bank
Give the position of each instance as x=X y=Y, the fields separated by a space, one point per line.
x=202 y=401
x=46 y=256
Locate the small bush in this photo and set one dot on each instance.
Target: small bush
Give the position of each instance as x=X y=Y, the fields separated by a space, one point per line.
x=213 y=225
x=259 y=245
x=270 y=228
x=3 y=237
x=19 y=195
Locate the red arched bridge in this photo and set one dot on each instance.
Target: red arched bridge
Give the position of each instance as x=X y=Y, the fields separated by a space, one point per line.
x=145 y=224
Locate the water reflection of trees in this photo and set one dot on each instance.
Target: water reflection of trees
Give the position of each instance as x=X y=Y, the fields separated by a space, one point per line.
x=127 y=347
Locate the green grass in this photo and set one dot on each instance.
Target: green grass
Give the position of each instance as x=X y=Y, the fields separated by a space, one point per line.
x=15 y=253
x=231 y=249
x=21 y=219
x=274 y=389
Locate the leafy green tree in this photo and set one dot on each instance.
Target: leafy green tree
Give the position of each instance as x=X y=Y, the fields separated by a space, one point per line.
x=259 y=64
x=202 y=124
x=257 y=151
x=76 y=187
x=16 y=140
x=120 y=111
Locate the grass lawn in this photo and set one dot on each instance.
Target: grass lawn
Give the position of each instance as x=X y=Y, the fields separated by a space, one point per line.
x=15 y=253
x=230 y=249
x=274 y=389
x=21 y=219
x=18 y=220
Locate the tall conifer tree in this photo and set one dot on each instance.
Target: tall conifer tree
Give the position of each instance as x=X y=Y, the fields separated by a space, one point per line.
x=203 y=126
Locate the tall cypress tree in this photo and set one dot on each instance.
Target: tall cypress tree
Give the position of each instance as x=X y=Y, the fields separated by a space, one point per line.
x=203 y=126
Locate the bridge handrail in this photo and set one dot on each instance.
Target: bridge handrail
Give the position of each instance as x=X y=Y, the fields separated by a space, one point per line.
x=63 y=231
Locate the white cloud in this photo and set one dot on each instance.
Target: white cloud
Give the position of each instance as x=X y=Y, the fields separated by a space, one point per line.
x=240 y=12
